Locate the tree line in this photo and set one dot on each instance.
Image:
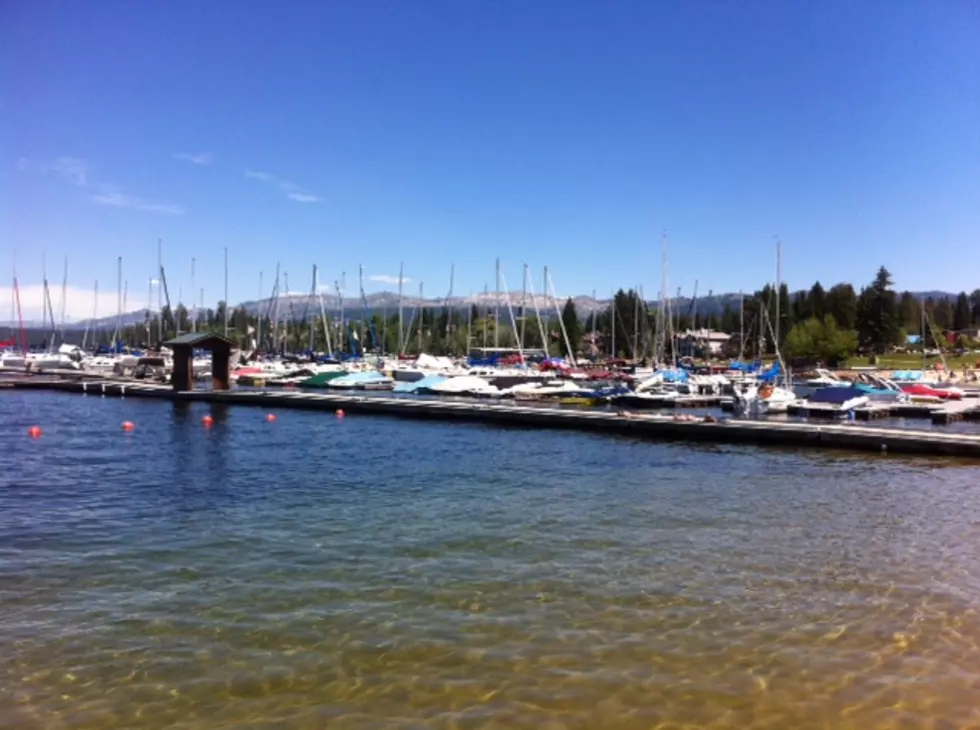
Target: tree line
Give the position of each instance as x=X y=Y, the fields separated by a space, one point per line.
x=814 y=324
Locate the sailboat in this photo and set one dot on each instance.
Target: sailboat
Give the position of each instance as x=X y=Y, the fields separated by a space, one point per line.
x=766 y=395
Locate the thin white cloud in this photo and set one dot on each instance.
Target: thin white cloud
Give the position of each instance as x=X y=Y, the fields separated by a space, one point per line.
x=303 y=197
x=80 y=303
x=119 y=199
x=77 y=171
x=387 y=279
x=74 y=170
x=199 y=158
x=291 y=189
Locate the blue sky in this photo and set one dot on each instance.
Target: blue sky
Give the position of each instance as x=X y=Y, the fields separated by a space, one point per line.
x=567 y=134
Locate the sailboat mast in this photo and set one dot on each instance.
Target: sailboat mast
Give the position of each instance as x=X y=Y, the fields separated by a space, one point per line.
x=148 y=320
x=496 y=310
x=125 y=295
x=469 y=325
x=119 y=305
x=401 y=302
x=561 y=323
x=340 y=295
x=95 y=315
x=612 y=324
x=159 y=291
x=312 y=296
x=594 y=310
x=64 y=296
x=226 y=291
x=486 y=314
x=258 y=317
x=523 y=305
x=778 y=287
x=922 y=316
x=274 y=324
x=636 y=320
x=287 y=315
x=193 y=301
x=323 y=317
x=421 y=315
x=513 y=323
x=537 y=316
x=741 y=326
x=449 y=299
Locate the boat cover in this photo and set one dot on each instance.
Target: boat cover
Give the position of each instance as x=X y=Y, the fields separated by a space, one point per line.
x=835 y=395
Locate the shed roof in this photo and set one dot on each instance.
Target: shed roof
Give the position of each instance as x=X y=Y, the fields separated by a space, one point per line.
x=205 y=340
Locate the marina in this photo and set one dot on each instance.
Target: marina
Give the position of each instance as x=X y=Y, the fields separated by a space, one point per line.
x=490 y=366
x=809 y=434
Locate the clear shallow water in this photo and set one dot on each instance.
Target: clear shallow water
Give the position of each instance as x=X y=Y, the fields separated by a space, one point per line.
x=372 y=573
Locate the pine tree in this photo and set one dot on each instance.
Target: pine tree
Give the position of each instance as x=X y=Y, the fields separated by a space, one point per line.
x=878 y=326
x=573 y=327
x=841 y=304
x=909 y=313
x=962 y=314
x=942 y=315
x=817 y=301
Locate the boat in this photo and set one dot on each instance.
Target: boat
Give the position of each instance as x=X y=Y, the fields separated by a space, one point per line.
x=837 y=400
x=368 y=380
x=660 y=397
x=12 y=360
x=424 y=366
x=546 y=389
x=51 y=361
x=322 y=379
x=827 y=379
x=419 y=387
x=923 y=393
x=880 y=390
x=763 y=399
x=466 y=385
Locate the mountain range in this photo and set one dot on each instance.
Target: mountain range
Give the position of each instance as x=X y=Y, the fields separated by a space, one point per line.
x=298 y=306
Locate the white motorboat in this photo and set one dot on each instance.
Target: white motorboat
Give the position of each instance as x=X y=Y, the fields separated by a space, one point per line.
x=544 y=390
x=51 y=361
x=761 y=400
x=466 y=385
x=826 y=379
x=13 y=360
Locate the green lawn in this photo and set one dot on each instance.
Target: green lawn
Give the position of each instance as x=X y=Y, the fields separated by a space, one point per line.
x=913 y=361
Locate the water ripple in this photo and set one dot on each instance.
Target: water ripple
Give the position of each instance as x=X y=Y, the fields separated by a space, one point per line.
x=371 y=573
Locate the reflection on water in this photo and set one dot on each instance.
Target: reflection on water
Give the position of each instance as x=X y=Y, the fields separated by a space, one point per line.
x=371 y=573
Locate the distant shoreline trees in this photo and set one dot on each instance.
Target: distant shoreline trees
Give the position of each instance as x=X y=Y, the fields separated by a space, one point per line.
x=819 y=323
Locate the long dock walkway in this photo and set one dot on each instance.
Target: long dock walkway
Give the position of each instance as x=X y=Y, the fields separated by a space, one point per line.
x=678 y=428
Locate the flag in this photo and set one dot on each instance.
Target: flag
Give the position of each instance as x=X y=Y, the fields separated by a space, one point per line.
x=7 y=343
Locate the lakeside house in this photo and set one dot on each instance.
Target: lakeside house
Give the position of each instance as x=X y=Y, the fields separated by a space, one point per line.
x=701 y=343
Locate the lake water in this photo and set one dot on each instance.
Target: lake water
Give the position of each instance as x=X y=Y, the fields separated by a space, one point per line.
x=376 y=573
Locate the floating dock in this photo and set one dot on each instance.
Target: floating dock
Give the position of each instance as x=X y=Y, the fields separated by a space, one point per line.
x=938 y=413
x=675 y=428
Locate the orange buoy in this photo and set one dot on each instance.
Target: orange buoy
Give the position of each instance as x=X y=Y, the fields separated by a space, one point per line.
x=340 y=413
x=128 y=425
x=207 y=421
x=34 y=432
x=270 y=417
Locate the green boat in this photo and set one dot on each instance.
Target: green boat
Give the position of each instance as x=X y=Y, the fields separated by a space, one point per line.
x=320 y=380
